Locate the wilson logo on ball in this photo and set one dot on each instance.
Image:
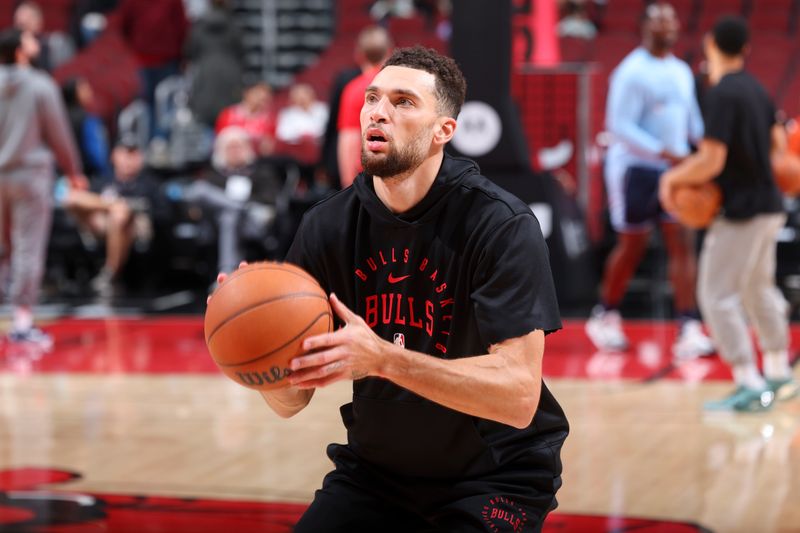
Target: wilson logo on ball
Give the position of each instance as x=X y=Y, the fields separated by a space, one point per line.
x=257 y=319
x=255 y=379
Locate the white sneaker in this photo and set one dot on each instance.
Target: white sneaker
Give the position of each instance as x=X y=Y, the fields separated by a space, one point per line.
x=604 y=329
x=692 y=342
x=32 y=336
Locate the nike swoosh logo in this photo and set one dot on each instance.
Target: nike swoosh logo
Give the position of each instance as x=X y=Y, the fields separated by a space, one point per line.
x=393 y=279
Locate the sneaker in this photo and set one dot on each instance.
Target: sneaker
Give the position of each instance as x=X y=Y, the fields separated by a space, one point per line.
x=692 y=342
x=744 y=400
x=604 y=329
x=784 y=389
x=32 y=336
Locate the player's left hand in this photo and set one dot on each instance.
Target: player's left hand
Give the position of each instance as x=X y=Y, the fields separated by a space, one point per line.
x=666 y=190
x=352 y=352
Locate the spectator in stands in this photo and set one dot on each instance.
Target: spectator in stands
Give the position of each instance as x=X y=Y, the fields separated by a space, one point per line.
x=55 y=48
x=374 y=46
x=304 y=119
x=33 y=128
x=122 y=211
x=155 y=30
x=576 y=22
x=214 y=51
x=87 y=128
x=736 y=284
x=240 y=191
x=254 y=114
x=652 y=115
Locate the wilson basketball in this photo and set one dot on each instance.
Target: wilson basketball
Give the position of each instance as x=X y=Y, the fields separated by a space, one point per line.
x=697 y=205
x=257 y=319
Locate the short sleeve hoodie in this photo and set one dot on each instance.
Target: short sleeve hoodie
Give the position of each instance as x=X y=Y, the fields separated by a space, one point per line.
x=465 y=268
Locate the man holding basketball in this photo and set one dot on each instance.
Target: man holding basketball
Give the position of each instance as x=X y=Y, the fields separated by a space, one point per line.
x=443 y=285
x=736 y=283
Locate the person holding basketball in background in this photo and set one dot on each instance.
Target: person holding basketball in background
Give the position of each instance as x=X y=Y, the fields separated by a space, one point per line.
x=442 y=282
x=652 y=115
x=738 y=259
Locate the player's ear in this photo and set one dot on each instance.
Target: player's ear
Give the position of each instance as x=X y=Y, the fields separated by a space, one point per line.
x=445 y=131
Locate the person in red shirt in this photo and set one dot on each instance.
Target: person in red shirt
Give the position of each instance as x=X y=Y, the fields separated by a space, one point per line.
x=374 y=45
x=255 y=115
x=154 y=31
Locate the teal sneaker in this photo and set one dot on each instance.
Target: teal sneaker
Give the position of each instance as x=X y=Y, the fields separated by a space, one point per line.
x=743 y=400
x=784 y=389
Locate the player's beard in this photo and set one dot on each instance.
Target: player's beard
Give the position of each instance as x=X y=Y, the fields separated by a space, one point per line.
x=395 y=162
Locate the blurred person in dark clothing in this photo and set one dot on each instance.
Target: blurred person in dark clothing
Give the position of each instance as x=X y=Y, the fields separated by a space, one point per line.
x=33 y=129
x=121 y=211
x=214 y=51
x=87 y=128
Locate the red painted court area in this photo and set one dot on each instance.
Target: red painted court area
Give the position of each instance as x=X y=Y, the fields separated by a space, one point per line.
x=176 y=345
x=25 y=507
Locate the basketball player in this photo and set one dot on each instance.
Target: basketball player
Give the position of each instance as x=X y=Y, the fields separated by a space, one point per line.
x=652 y=114
x=443 y=285
x=34 y=131
x=737 y=262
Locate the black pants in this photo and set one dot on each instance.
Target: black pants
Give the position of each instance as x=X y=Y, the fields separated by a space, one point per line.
x=351 y=502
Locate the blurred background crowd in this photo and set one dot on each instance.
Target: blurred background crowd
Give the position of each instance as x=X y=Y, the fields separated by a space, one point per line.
x=200 y=143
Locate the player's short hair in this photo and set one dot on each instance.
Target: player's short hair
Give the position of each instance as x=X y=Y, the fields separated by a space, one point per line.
x=730 y=34
x=451 y=87
x=10 y=41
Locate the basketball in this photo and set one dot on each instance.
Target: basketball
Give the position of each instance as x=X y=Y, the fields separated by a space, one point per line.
x=257 y=319
x=697 y=205
x=786 y=168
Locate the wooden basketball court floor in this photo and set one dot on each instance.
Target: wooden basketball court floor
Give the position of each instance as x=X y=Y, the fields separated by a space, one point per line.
x=127 y=426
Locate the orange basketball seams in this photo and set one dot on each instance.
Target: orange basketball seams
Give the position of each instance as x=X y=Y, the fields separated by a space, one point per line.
x=257 y=319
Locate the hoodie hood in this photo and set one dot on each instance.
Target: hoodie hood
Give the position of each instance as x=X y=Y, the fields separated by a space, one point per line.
x=451 y=173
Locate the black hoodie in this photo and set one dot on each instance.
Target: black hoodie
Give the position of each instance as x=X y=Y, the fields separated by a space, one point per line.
x=465 y=268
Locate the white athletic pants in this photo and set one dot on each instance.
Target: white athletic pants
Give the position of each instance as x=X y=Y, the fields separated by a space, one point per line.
x=736 y=282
